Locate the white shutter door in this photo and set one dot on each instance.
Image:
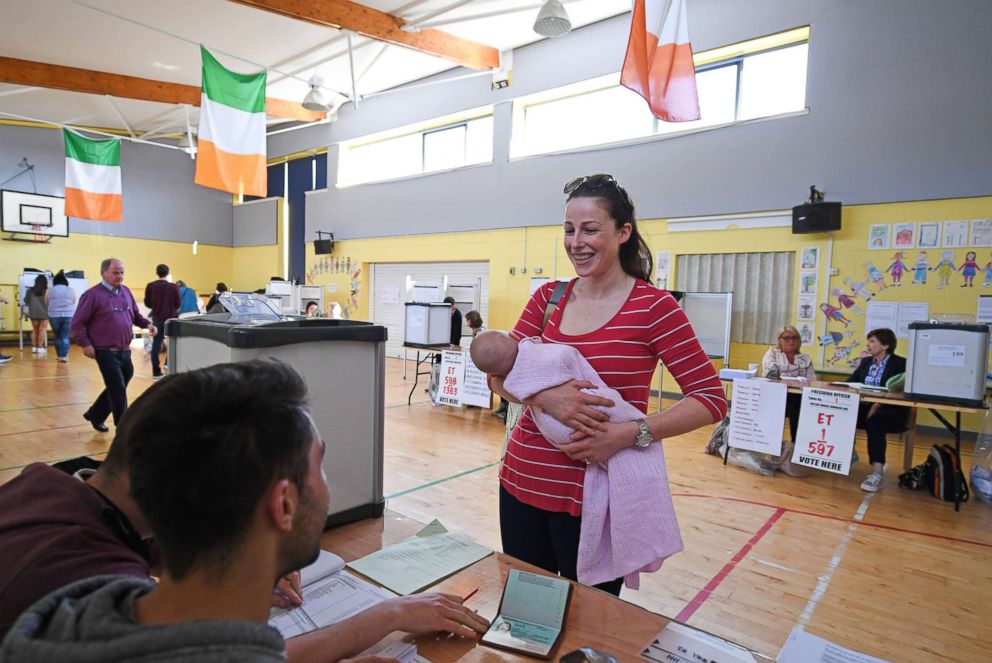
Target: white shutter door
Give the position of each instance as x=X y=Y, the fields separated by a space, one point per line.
x=389 y=292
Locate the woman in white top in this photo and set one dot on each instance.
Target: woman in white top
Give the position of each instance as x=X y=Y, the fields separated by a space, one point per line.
x=788 y=361
x=61 y=301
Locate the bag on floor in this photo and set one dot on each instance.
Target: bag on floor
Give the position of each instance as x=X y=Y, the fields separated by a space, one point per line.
x=941 y=467
x=914 y=478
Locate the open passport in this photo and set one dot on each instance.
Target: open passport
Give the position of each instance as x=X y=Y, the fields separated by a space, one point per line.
x=531 y=616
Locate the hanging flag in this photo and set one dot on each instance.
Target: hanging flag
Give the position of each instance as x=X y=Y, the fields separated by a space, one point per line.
x=92 y=178
x=231 y=150
x=658 y=65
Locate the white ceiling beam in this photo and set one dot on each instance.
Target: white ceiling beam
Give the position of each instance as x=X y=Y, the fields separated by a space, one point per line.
x=120 y=115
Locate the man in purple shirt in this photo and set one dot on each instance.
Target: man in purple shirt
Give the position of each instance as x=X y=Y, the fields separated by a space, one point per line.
x=164 y=301
x=102 y=327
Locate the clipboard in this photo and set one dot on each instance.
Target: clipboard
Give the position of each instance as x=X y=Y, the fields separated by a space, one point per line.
x=532 y=614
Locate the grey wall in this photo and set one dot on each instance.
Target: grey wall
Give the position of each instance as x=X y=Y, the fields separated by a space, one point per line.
x=159 y=197
x=255 y=222
x=898 y=94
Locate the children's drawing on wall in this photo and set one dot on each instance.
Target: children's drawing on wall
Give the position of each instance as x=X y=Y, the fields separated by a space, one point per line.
x=810 y=258
x=981 y=232
x=806 y=332
x=835 y=337
x=845 y=301
x=356 y=290
x=834 y=314
x=904 y=236
x=806 y=309
x=955 y=234
x=842 y=352
x=944 y=269
x=896 y=269
x=920 y=268
x=988 y=276
x=928 y=235
x=878 y=236
x=877 y=278
x=807 y=283
x=858 y=288
x=968 y=269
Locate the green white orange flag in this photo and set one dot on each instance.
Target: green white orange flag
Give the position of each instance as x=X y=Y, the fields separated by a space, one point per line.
x=92 y=178
x=659 y=64
x=231 y=148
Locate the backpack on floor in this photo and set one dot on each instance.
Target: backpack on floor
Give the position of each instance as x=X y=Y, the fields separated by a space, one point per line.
x=941 y=467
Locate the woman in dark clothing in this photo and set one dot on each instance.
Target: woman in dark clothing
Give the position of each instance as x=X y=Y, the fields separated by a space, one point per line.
x=874 y=418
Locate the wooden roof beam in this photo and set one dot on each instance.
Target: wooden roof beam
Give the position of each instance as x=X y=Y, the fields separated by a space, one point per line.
x=375 y=24
x=72 y=79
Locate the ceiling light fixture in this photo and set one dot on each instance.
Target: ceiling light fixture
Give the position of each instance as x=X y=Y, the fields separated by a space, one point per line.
x=316 y=100
x=552 y=20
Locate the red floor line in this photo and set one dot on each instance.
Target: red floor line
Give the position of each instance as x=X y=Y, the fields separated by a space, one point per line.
x=700 y=598
x=842 y=519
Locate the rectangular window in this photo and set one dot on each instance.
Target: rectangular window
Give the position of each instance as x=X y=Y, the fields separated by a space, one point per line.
x=442 y=144
x=759 y=78
x=761 y=283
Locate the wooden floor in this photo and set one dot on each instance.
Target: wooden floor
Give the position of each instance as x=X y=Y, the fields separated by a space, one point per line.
x=898 y=574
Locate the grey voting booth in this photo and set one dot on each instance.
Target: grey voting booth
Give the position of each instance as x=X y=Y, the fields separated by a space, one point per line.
x=342 y=362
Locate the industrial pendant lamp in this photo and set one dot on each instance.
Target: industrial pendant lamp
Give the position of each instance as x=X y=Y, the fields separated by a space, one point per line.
x=316 y=100
x=552 y=20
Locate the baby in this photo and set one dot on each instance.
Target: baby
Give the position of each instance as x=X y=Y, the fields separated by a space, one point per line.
x=531 y=367
x=628 y=519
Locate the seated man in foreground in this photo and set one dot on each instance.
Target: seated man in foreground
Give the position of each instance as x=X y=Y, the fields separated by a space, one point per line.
x=230 y=481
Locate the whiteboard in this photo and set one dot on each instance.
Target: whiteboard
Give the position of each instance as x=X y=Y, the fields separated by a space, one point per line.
x=26 y=282
x=709 y=314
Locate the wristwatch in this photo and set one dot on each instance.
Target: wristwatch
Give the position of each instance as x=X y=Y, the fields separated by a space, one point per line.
x=644 y=437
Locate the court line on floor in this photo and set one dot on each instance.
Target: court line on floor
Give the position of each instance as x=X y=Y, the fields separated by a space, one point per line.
x=44 y=407
x=440 y=481
x=823 y=582
x=42 y=430
x=50 y=462
x=841 y=519
x=700 y=598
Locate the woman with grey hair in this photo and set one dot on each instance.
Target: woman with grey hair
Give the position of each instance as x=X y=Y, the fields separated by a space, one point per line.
x=786 y=361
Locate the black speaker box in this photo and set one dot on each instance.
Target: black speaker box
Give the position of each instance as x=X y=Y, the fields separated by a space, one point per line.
x=323 y=246
x=815 y=218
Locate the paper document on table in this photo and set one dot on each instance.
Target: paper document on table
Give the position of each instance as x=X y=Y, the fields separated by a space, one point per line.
x=406 y=652
x=531 y=614
x=859 y=385
x=421 y=560
x=678 y=643
x=802 y=647
x=330 y=595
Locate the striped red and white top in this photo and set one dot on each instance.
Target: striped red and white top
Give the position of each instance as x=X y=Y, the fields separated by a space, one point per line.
x=650 y=326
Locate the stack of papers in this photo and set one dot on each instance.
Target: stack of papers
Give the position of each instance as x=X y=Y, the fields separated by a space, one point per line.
x=859 y=385
x=330 y=595
x=432 y=554
x=734 y=373
x=403 y=651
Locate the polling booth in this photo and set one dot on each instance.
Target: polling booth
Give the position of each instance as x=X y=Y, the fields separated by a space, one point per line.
x=342 y=363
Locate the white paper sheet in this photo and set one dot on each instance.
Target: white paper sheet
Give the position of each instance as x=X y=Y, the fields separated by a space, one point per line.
x=908 y=312
x=825 y=438
x=678 y=643
x=802 y=647
x=757 y=414
x=327 y=601
x=882 y=315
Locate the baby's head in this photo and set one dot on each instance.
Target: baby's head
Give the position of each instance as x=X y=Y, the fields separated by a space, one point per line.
x=494 y=352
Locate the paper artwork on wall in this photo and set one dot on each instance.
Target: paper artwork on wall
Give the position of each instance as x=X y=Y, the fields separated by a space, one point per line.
x=878 y=236
x=807 y=283
x=968 y=269
x=955 y=234
x=876 y=276
x=981 y=232
x=904 y=236
x=806 y=332
x=897 y=268
x=810 y=258
x=663 y=266
x=806 y=309
x=945 y=268
x=920 y=268
x=834 y=314
x=928 y=236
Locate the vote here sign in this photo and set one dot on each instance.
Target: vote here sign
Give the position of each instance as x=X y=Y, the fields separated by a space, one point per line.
x=827 y=422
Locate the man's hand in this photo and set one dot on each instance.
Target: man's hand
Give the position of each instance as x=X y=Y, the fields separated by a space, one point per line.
x=573 y=407
x=287 y=593
x=152 y=329
x=89 y=351
x=428 y=613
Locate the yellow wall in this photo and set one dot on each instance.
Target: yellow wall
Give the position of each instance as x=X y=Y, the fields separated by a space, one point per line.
x=543 y=248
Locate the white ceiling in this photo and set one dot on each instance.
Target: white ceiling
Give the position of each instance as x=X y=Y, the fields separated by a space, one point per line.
x=158 y=40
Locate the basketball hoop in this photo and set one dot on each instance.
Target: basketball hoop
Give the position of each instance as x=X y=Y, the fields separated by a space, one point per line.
x=38 y=236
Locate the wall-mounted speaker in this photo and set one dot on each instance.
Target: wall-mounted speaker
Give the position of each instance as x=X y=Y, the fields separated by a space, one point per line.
x=323 y=246
x=816 y=218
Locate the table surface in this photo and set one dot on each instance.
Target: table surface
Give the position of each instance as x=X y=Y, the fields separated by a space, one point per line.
x=595 y=619
x=869 y=396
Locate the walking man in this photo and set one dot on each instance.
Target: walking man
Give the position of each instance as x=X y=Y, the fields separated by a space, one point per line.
x=164 y=300
x=102 y=327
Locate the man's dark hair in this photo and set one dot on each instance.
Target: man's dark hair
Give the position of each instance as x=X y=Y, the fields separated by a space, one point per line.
x=449 y=300
x=204 y=446
x=884 y=336
x=162 y=271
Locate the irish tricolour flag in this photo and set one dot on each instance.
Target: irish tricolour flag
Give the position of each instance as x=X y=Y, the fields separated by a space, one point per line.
x=231 y=149
x=92 y=178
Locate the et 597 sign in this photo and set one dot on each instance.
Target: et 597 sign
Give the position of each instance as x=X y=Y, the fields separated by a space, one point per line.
x=827 y=421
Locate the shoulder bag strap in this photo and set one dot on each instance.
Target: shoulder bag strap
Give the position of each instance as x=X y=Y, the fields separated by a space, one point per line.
x=556 y=296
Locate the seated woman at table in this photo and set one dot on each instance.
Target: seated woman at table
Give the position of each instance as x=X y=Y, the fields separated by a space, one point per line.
x=787 y=361
x=874 y=418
